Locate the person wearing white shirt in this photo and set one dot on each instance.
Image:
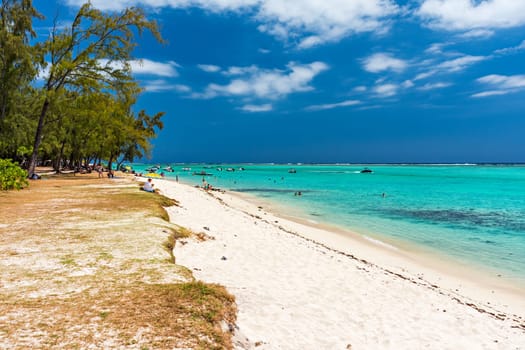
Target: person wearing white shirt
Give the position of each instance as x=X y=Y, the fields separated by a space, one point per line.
x=148 y=186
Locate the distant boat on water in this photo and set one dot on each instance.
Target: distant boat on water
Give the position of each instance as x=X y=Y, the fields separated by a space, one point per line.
x=201 y=173
x=366 y=171
x=292 y=171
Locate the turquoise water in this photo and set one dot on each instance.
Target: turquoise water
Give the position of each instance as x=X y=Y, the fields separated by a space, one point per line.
x=475 y=214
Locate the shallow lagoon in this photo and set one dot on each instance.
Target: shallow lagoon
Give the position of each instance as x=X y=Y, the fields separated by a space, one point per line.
x=472 y=213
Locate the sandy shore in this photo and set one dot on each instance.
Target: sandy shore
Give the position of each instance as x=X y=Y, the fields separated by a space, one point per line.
x=304 y=287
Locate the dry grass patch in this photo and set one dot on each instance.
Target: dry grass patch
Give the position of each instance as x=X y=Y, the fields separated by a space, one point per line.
x=178 y=234
x=83 y=264
x=136 y=316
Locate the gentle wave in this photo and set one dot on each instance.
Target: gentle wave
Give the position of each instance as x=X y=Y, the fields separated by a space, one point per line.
x=381 y=243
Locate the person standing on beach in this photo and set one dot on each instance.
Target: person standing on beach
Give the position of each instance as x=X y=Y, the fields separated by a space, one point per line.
x=99 y=169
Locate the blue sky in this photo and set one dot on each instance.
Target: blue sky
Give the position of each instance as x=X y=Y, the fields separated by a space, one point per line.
x=331 y=80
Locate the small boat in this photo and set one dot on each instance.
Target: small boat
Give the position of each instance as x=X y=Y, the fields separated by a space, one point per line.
x=168 y=169
x=230 y=169
x=186 y=169
x=292 y=171
x=366 y=171
x=201 y=173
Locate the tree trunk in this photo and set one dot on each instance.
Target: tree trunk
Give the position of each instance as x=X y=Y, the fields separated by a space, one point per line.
x=110 y=163
x=38 y=138
x=3 y=112
x=120 y=162
x=58 y=161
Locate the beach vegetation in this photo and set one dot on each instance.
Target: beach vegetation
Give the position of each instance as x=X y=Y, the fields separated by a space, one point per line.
x=12 y=176
x=18 y=65
x=169 y=245
x=105 y=256
x=179 y=232
x=183 y=232
x=52 y=89
x=161 y=202
x=102 y=272
x=175 y=234
x=68 y=260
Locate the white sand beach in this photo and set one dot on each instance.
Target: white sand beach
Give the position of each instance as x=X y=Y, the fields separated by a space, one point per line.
x=304 y=287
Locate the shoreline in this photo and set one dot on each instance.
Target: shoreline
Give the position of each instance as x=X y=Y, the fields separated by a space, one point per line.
x=402 y=257
x=400 y=254
x=238 y=224
x=481 y=252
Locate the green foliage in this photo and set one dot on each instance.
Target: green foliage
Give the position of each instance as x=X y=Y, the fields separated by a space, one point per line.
x=17 y=57
x=83 y=110
x=89 y=59
x=11 y=176
x=18 y=67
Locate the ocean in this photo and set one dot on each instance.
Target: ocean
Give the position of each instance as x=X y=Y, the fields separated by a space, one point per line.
x=473 y=214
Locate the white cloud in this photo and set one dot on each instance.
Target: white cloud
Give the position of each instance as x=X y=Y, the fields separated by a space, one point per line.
x=380 y=62
x=181 y=88
x=425 y=75
x=389 y=89
x=490 y=93
x=369 y=107
x=433 y=86
x=333 y=105
x=466 y=15
x=407 y=84
x=139 y=67
x=242 y=70
x=436 y=48
x=501 y=84
x=386 y=90
x=209 y=5
x=43 y=73
x=460 y=63
x=257 y=108
x=510 y=50
x=145 y=66
x=163 y=85
x=451 y=66
x=504 y=81
x=254 y=82
x=317 y=22
x=477 y=33
x=305 y=22
x=209 y=68
x=360 y=88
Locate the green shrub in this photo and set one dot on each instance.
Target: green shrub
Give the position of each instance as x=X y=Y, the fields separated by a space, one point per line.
x=12 y=176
